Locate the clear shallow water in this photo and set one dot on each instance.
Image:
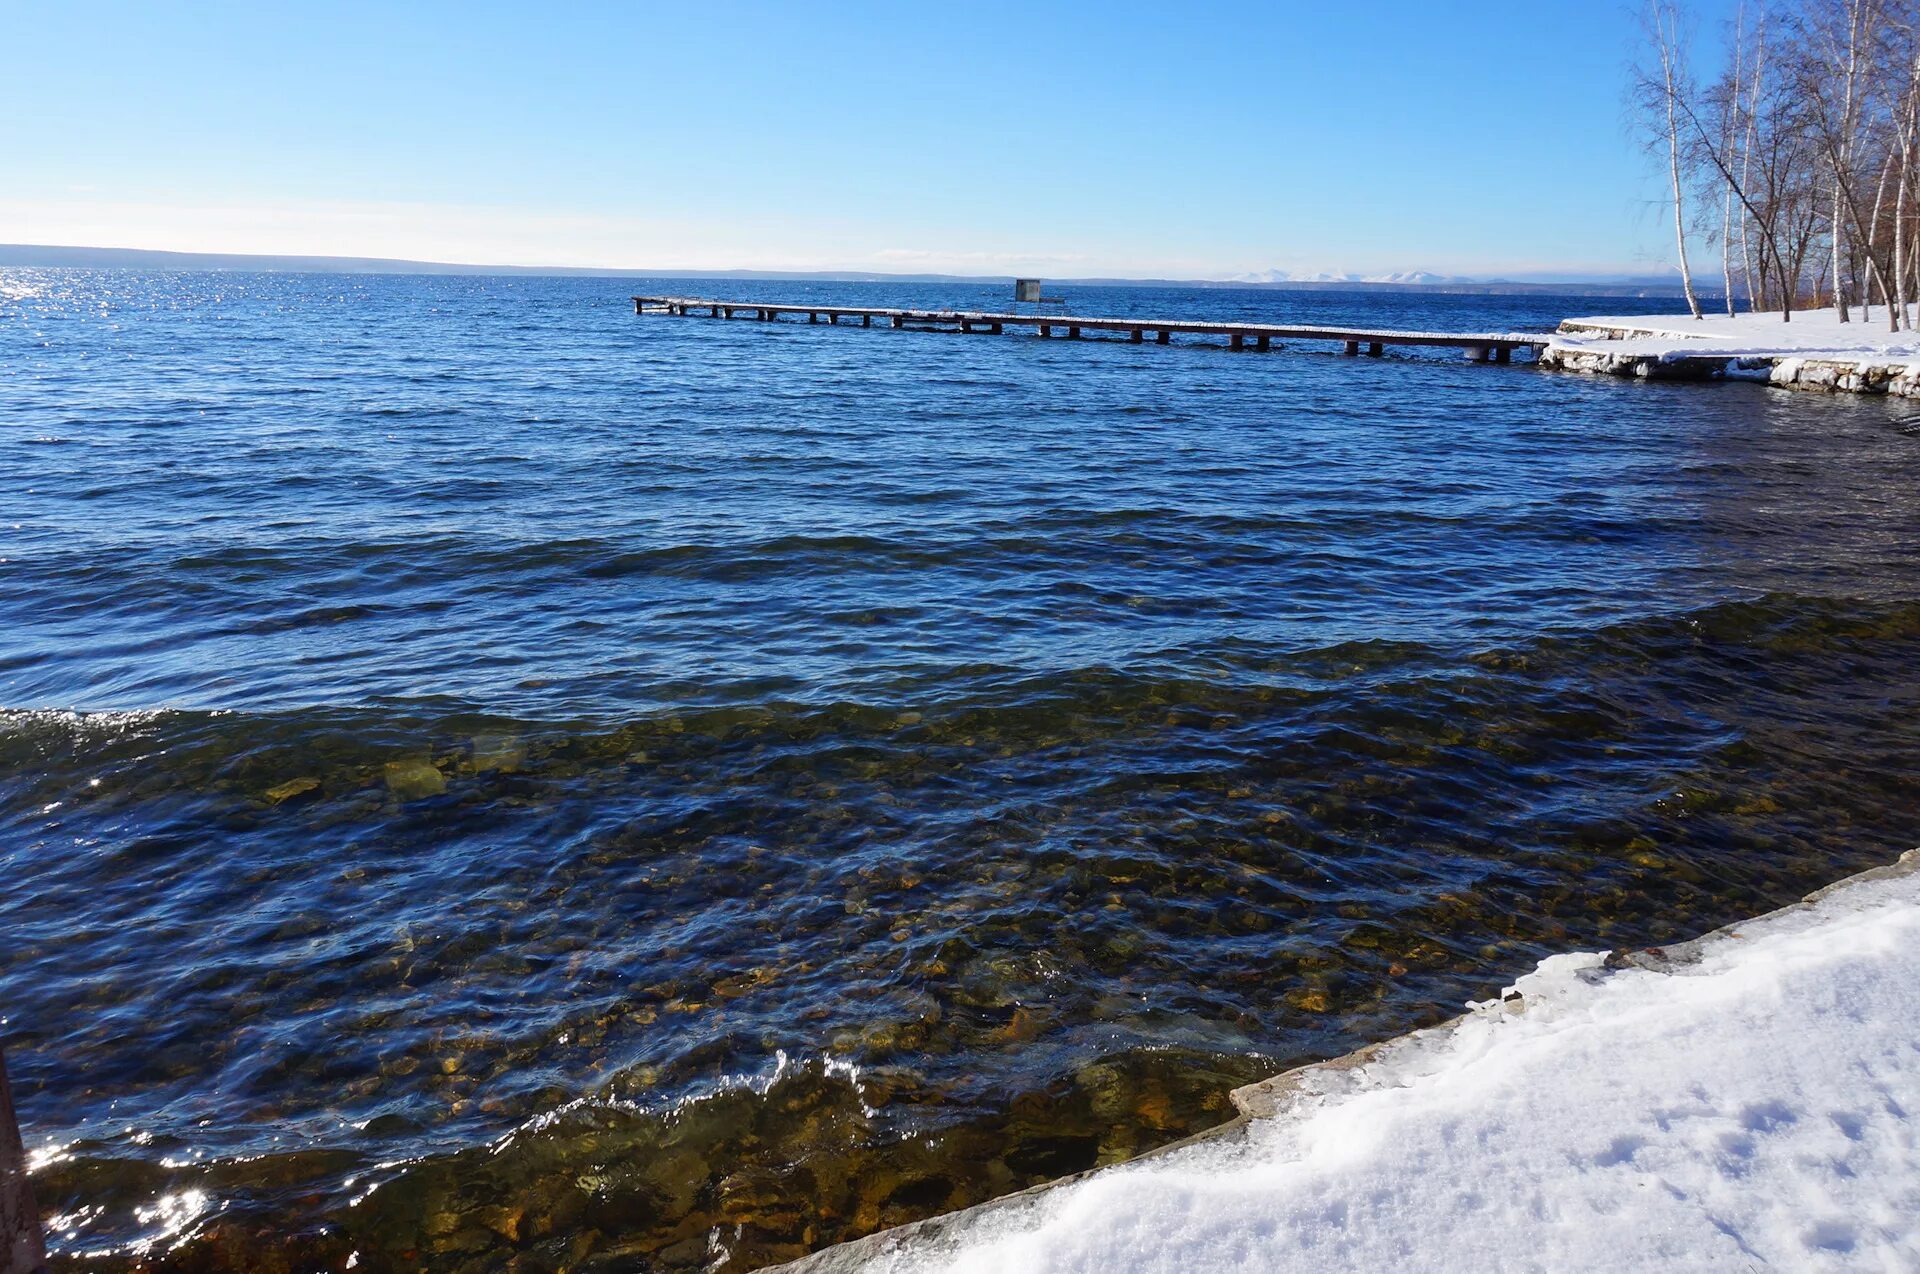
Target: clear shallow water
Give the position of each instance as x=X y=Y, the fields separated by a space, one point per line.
x=486 y=775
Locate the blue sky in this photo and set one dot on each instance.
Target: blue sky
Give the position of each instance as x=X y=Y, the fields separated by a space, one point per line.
x=1063 y=139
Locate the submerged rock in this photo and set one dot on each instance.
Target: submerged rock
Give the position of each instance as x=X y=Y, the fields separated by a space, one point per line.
x=291 y=789
x=413 y=778
x=504 y=753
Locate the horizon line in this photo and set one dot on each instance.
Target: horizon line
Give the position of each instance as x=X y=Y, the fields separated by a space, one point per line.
x=1538 y=280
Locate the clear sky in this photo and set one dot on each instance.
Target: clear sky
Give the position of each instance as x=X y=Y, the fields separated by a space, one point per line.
x=1188 y=140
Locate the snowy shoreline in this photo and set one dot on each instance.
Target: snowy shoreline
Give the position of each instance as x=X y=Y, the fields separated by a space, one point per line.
x=1815 y=351
x=1743 y=1100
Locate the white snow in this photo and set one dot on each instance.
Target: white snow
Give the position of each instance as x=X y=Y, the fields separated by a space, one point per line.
x=1813 y=334
x=1753 y=1110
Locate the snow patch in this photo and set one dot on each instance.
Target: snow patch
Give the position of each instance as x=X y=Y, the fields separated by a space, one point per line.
x=1812 y=334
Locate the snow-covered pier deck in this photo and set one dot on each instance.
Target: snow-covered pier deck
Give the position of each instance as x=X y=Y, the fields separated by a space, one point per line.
x=1484 y=347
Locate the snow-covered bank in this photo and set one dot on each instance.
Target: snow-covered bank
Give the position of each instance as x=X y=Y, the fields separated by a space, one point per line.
x=1814 y=351
x=1747 y=1101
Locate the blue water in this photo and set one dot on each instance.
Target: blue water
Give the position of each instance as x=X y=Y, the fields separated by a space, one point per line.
x=488 y=775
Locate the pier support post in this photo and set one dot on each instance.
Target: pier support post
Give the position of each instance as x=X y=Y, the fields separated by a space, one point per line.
x=1373 y=349
x=898 y=321
x=1073 y=333
x=1045 y=331
x=637 y=307
x=1504 y=354
x=1236 y=341
x=1266 y=343
x=866 y=320
x=833 y=319
x=1352 y=350
x=1137 y=335
x=21 y=1247
x=996 y=329
x=812 y=317
x=1164 y=337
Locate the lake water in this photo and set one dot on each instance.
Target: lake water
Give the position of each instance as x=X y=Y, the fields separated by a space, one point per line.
x=486 y=777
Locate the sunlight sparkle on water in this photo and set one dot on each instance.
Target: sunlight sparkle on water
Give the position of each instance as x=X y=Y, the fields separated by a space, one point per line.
x=173 y=1214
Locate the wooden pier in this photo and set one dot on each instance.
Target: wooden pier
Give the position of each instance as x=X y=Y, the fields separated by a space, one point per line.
x=1483 y=347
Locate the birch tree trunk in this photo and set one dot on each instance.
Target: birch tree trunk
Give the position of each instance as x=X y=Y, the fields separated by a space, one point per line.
x=1898 y=310
x=1666 y=34
x=1839 y=288
x=1756 y=296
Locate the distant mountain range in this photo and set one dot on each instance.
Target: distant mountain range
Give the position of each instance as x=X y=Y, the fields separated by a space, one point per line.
x=44 y=255
x=1420 y=278
x=1652 y=284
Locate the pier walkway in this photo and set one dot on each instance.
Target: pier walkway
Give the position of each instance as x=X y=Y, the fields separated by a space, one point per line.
x=1481 y=347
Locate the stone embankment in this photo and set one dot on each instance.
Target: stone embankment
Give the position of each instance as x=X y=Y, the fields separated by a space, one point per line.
x=1612 y=347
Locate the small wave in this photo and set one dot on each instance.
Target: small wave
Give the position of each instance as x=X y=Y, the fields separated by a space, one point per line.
x=75 y=726
x=418 y=413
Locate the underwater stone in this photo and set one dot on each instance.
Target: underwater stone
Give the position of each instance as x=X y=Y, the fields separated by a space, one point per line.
x=505 y=753
x=292 y=788
x=413 y=779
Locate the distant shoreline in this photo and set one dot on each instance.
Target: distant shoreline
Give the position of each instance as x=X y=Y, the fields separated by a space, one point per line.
x=53 y=256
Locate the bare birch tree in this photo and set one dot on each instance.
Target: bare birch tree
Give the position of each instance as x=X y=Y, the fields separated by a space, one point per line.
x=1808 y=140
x=1658 y=93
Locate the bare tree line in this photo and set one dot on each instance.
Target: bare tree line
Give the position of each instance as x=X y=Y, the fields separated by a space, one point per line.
x=1797 y=157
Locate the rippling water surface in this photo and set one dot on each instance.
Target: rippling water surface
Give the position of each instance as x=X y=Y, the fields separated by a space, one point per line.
x=488 y=781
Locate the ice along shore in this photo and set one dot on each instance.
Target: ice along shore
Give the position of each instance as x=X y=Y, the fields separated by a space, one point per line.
x=1814 y=351
x=1749 y=1099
